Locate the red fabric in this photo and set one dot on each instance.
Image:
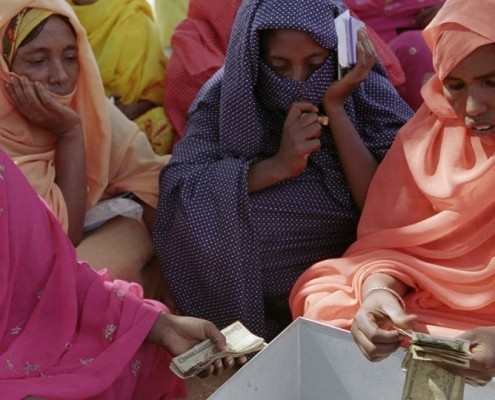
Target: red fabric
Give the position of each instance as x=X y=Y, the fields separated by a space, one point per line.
x=198 y=51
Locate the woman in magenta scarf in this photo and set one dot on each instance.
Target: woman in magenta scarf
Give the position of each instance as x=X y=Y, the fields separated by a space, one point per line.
x=66 y=331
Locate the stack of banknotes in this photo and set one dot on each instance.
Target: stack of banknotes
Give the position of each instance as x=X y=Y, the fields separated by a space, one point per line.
x=240 y=341
x=425 y=379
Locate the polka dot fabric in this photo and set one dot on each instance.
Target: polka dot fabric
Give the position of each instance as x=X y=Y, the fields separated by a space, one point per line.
x=232 y=255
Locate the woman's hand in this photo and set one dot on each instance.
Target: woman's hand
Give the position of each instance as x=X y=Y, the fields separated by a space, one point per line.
x=482 y=364
x=340 y=89
x=35 y=104
x=177 y=334
x=133 y=110
x=300 y=138
x=372 y=324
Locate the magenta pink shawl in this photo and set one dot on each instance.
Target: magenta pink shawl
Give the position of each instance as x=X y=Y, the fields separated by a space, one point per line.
x=67 y=332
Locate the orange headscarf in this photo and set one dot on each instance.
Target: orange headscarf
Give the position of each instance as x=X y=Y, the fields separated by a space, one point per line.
x=429 y=215
x=32 y=148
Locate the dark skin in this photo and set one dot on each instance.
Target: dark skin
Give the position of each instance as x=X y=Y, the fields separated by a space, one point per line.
x=295 y=55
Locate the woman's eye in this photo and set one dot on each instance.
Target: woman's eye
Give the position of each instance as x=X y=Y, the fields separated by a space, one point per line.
x=37 y=61
x=490 y=82
x=314 y=67
x=457 y=86
x=280 y=68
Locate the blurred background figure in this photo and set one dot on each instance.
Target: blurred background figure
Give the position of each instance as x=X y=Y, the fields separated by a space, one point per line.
x=399 y=23
x=126 y=42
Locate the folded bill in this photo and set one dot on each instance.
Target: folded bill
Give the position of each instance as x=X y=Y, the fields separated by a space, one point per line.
x=426 y=380
x=240 y=341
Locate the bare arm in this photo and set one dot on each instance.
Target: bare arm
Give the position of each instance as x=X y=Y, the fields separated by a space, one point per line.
x=358 y=163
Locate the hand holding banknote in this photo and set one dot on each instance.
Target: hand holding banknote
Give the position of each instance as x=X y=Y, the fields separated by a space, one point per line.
x=481 y=369
x=177 y=334
x=239 y=341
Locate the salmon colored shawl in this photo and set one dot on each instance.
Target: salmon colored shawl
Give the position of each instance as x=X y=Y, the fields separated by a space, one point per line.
x=33 y=148
x=429 y=217
x=125 y=39
x=66 y=332
x=118 y=156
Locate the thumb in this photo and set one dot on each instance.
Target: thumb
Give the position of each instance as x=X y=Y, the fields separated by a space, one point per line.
x=217 y=337
x=400 y=318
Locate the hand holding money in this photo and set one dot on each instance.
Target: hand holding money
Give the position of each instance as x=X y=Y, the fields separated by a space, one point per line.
x=239 y=342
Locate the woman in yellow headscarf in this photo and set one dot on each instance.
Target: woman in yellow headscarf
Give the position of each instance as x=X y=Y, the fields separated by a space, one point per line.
x=72 y=144
x=126 y=42
x=425 y=257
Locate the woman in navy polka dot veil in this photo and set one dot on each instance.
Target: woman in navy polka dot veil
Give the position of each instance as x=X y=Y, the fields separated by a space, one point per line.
x=258 y=190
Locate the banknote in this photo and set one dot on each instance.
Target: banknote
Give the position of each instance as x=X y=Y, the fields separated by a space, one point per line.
x=240 y=341
x=425 y=379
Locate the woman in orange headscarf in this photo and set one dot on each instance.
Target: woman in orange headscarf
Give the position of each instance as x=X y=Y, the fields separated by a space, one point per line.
x=425 y=254
x=72 y=144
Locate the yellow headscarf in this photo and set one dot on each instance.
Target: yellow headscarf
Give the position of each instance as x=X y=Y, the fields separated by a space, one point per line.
x=20 y=27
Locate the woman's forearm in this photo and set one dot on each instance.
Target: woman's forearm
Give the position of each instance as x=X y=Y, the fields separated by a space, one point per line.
x=358 y=163
x=70 y=167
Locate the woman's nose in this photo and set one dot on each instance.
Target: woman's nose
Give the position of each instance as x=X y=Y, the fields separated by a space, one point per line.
x=57 y=73
x=476 y=103
x=299 y=73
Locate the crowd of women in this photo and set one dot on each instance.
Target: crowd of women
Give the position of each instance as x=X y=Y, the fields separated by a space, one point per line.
x=268 y=183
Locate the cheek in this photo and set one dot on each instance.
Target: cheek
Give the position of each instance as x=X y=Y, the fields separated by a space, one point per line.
x=455 y=100
x=73 y=74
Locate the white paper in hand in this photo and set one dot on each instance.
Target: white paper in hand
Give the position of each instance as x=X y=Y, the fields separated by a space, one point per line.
x=347 y=28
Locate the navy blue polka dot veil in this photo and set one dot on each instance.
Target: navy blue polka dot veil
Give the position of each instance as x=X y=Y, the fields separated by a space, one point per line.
x=228 y=254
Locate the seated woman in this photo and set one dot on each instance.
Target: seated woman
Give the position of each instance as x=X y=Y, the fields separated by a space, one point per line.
x=74 y=147
x=426 y=235
x=69 y=333
x=399 y=23
x=257 y=190
x=125 y=39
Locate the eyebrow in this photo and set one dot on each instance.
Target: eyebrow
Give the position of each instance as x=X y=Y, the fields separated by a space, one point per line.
x=316 y=54
x=44 y=49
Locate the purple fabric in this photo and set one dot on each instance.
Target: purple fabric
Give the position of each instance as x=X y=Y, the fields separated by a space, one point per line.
x=232 y=255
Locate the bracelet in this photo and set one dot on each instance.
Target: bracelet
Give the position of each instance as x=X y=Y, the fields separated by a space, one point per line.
x=387 y=289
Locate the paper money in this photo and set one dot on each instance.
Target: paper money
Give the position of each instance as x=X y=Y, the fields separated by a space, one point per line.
x=239 y=342
x=425 y=380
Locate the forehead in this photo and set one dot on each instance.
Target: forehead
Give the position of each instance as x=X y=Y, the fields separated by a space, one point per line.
x=56 y=33
x=479 y=63
x=287 y=40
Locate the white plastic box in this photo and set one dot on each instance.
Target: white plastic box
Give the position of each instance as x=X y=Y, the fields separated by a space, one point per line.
x=312 y=361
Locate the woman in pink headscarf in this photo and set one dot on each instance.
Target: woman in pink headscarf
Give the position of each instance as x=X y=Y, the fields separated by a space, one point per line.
x=66 y=331
x=425 y=255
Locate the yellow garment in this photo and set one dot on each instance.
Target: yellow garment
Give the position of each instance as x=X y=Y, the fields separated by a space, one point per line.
x=25 y=22
x=118 y=156
x=168 y=15
x=125 y=40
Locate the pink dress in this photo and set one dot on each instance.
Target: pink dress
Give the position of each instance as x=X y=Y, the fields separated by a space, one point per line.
x=66 y=331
